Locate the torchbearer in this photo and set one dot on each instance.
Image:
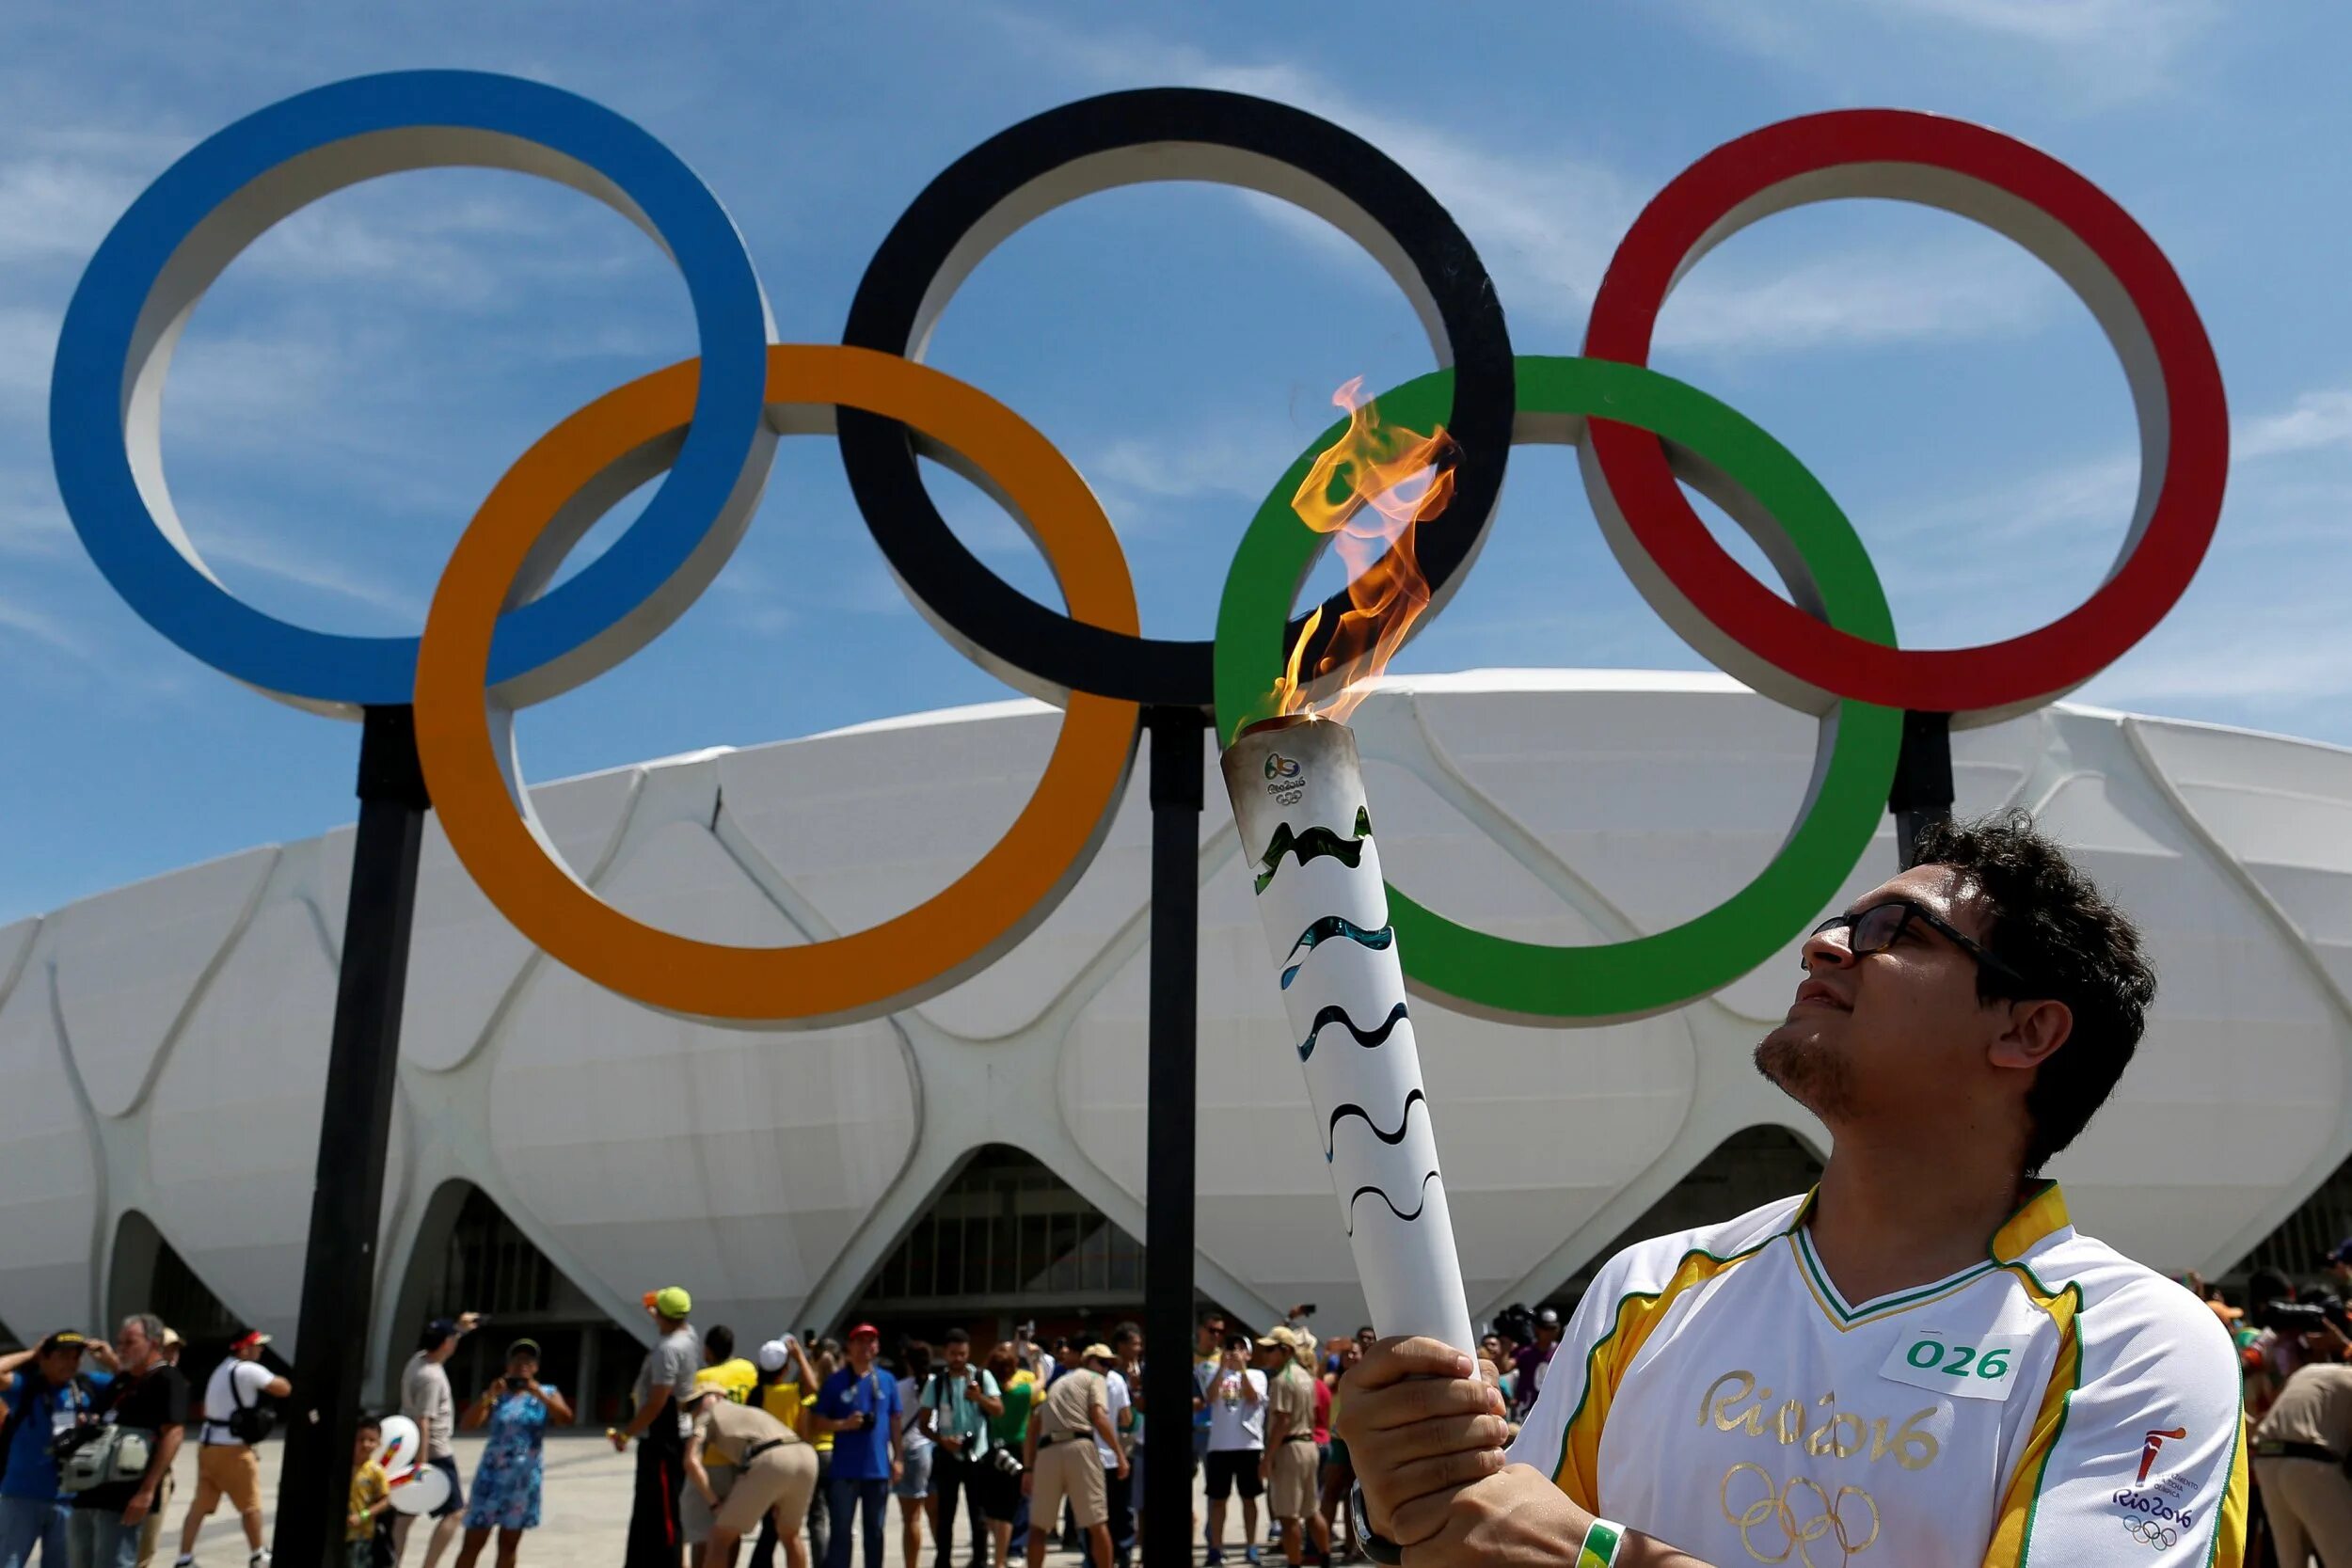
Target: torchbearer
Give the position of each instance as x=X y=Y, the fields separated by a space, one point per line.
x=1919 y=1364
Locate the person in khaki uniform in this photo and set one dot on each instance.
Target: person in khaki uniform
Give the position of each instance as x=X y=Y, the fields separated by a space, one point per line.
x=1290 y=1462
x=1060 y=1459
x=775 y=1470
x=2300 y=1452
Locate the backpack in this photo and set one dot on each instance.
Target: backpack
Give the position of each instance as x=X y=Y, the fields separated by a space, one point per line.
x=248 y=1423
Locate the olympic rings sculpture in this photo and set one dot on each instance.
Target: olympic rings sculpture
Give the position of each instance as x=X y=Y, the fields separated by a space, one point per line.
x=497 y=638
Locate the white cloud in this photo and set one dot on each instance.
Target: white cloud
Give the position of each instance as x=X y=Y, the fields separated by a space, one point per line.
x=2154 y=26
x=2318 y=420
x=2252 y=661
x=1546 y=226
x=2102 y=51
x=22 y=618
x=289 y=562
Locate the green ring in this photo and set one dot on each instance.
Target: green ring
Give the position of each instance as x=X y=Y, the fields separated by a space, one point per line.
x=1531 y=981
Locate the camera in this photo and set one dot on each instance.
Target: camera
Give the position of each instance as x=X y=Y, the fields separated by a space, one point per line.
x=517 y=1384
x=2284 y=1317
x=1023 y=1333
x=62 y=1447
x=1516 y=1323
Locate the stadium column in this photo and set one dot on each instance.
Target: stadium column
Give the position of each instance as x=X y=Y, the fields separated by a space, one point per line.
x=1177 y=757
x=1923 y=790
x=355 y=1133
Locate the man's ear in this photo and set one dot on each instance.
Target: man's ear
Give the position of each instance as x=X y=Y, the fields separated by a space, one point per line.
x=2034 y=1032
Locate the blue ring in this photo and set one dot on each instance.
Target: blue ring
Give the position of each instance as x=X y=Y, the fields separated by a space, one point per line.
x=721 y=456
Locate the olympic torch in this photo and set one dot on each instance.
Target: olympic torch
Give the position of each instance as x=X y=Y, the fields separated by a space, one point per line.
x=1297 y=791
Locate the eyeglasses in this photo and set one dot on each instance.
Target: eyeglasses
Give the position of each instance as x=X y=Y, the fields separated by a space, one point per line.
x=1882 y=926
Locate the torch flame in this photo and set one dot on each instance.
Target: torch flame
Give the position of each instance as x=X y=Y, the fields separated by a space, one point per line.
x=1372 y=488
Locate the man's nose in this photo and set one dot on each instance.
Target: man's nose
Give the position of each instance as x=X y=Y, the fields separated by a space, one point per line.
x=1828 y=949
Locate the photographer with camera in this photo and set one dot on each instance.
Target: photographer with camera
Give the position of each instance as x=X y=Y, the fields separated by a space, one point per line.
x=116 y=1471
x=953 y=1411
x=234 y=1420
x=2304 y=1438
x=998 y=1482
x=45 y=1396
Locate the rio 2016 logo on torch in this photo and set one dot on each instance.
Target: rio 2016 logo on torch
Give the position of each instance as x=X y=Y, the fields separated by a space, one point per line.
x=498 y=637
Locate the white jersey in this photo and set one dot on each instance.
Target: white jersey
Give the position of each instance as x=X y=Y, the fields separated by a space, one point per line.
x=2052 y=1406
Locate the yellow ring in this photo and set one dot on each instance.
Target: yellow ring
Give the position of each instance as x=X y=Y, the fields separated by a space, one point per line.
x=865 y=974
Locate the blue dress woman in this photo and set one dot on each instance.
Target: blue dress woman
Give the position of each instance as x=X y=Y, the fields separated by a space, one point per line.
x=505 y=1497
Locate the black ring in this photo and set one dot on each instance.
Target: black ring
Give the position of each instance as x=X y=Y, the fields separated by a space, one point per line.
x=1125 y=138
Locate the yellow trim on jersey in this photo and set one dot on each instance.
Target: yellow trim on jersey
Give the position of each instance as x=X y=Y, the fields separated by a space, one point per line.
x=1578 y=1472
x=2237 y=1500
x=2037 y=1219
x=2014 y=1531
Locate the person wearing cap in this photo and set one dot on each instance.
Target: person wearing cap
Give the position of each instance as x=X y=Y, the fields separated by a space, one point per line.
x=784 y=1372
x=775 y=1471
x=44 y=1393
x=426 y=1398
x=1117 y=1468
x=664 y=1385
x=859 y=1406
x=226 y=1464
x=1532 y=1361
x=1236 y=1399
x=515 y=1409
x=1060 y=1463
x=732 y=1377
x=1288 y=1464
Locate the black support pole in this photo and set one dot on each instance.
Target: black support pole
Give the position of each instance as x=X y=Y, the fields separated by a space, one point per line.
x=1177 y=760
x=1923 y=782
x=355 y=1131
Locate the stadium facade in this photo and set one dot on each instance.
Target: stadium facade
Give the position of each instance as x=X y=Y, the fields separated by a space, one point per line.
x=558 y=1151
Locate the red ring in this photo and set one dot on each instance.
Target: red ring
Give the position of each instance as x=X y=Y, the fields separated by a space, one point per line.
x=1701 y=207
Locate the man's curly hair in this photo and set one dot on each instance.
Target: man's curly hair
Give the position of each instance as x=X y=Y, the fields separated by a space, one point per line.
x=2051 y=924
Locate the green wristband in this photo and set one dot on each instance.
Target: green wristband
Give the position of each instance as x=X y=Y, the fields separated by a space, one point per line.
x=1602 y=1541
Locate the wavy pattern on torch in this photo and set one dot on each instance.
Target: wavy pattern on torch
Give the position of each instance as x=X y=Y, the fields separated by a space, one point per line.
x=1419 y=1207
x=1314 y=844
x=1331 y=1137
x=1325 y=929
x=1370 y=1040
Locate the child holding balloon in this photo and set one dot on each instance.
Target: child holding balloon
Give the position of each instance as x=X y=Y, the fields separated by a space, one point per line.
x=371 y=1495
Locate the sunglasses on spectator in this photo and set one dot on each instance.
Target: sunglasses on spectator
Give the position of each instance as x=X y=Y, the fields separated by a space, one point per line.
x=1882 y=926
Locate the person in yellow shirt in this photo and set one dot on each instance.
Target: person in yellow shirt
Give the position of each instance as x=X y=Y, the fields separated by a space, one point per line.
x=371 y=1495
x=787 y=1385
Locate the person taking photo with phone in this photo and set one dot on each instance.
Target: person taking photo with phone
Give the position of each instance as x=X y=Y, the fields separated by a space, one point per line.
x=517 y=1409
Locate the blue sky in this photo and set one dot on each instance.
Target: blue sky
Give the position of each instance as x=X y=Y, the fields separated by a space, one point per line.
x=358 y=380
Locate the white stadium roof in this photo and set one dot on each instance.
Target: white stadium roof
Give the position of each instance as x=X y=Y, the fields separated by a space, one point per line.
x=163 y=1045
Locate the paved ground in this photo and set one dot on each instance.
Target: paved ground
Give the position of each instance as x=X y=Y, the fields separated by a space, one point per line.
x=585 y=1509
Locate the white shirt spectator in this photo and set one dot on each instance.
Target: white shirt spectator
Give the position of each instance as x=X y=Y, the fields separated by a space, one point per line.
x=426 y=1398
x=1118 y=1402
x=234 y=1383
x=1236 y=1423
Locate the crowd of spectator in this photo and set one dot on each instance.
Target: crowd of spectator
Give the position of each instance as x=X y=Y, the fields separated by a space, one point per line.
x=798 y=1445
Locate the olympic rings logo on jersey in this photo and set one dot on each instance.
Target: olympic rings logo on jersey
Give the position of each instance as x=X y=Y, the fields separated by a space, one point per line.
x=2149 y=1532
x=1777 y=1506
x=498 y=637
